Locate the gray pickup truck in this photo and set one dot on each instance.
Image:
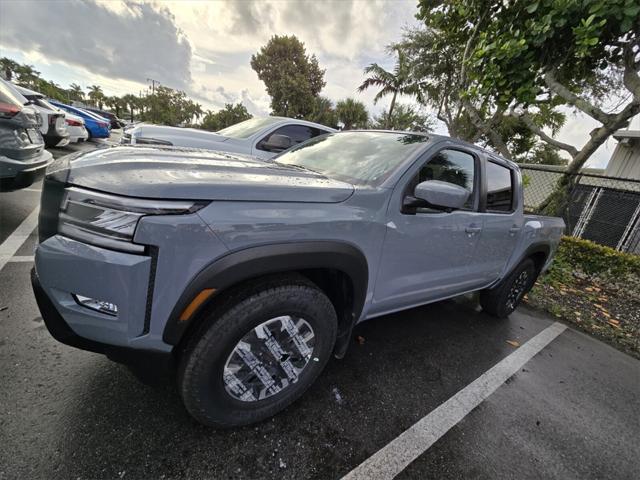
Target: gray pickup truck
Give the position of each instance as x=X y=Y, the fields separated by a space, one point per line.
x=250 y=274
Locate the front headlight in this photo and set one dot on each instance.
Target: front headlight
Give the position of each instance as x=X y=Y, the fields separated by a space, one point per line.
x=110 y=221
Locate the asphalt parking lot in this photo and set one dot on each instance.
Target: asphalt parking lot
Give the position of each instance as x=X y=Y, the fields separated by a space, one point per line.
x=479 y=398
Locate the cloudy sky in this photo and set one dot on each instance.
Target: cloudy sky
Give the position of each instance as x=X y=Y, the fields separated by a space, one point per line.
x=205 y=47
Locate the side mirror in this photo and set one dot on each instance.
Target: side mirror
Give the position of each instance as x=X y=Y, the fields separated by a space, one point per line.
x=277 y=143
x=439 y=195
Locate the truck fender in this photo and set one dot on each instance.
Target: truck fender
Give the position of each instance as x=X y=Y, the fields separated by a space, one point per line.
x=255 y=262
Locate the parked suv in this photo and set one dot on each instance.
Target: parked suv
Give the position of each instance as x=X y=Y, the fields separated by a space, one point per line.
x=262 y=137
x=251 y=274
x=23 y=159
x=53 y=126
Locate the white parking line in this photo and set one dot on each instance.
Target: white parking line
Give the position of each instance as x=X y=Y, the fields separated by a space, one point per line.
x=20 y=259
x=10 y=246
x=392 y=459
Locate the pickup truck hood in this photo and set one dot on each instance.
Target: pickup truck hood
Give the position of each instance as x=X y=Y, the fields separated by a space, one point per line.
x=175 y=173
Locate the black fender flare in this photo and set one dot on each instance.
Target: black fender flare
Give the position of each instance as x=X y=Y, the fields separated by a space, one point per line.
x=539 y=247
x=253 y=262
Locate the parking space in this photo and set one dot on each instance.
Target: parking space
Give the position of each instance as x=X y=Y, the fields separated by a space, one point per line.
x=569 y=412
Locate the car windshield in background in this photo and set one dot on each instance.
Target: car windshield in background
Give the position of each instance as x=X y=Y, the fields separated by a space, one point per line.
x=247 y=128
x=358 y=157
x=45 y=103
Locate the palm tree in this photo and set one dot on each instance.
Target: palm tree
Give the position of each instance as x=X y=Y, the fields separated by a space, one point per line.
x=352 y=113
x=132 y=102
x=397 y=82
x=96 y=95
x=75 y=92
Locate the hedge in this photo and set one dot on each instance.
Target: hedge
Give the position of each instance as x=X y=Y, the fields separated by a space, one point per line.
x=586 y=258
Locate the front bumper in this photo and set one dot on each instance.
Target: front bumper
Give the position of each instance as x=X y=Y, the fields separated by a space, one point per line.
x=67 y=268
x=61 y=331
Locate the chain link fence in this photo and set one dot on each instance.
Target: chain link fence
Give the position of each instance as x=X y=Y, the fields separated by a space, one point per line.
x=603 y=209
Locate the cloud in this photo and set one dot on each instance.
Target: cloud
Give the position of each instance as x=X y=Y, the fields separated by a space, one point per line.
x=130 y=41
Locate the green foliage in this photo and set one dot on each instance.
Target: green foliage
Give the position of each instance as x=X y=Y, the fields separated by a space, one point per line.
x=404 y=118
x=519 y=41
x=397 y=82
x=292 y=78
x=323 y=112
x=593 y=260
x=352 y=114
x=435 y=61
x=75 y=92
x=170 y=107
x=229 y=115
x=543 y=154
x=96 y=96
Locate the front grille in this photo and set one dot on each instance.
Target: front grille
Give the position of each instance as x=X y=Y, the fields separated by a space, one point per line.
x=50 y=201
x=126 y=138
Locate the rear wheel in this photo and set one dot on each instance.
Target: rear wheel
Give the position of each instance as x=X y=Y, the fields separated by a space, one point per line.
x=258 y=353
x=502 y=300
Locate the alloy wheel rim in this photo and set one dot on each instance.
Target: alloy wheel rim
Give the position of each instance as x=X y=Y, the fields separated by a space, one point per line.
x=269 y=358
x=517 y=290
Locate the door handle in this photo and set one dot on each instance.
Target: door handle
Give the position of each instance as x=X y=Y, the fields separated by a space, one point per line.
x=513 y=230
x=472 y=229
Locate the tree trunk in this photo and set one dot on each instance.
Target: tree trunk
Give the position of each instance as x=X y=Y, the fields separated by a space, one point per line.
x=558 y=201
x=391 y=107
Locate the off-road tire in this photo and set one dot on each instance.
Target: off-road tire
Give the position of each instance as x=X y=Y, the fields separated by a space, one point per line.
x=201 y=365
x=497 y=301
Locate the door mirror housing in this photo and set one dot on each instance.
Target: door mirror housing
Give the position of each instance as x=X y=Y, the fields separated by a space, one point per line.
x=439 y=195
x=276 y=143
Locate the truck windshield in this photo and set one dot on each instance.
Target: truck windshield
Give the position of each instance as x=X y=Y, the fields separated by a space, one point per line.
x=366 y=158
x=247 y=128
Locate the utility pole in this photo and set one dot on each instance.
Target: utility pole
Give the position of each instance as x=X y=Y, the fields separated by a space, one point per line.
x=153 y=92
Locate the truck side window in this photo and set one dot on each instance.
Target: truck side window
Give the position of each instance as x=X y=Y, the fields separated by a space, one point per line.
x=297 y=134
x=452 y=166
x=499 y=188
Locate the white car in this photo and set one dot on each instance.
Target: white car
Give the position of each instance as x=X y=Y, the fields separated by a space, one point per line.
x=53 y=126
x=76 y=128
x=262 y=137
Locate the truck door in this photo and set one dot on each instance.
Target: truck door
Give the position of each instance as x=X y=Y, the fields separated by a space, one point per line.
x=427 y=252
x=502 y=221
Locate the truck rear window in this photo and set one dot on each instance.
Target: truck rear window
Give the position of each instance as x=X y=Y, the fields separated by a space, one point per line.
x=499 y=188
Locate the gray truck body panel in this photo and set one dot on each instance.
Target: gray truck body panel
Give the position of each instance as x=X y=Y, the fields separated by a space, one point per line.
x=258 y=209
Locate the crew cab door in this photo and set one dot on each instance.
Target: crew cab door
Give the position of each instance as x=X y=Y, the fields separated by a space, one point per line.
x=502 y=219
x=295 y=132
x=427 y=252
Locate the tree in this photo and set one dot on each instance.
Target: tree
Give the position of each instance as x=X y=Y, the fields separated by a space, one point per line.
x=115 y=103
x=8 y=67
x=229 y=115
x=96 y=95
x=576 y=54
x=292 y=78
x=404 y=118
x=323 y=112
x=169 y=107
x=75 y=92
x=435 y=55
x=352 y=113
x=543 y=154
x=393 y=83
x=131 y=102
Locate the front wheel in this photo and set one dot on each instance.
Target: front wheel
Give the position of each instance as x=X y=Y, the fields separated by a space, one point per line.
x=257 y=354
x=502 y=300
